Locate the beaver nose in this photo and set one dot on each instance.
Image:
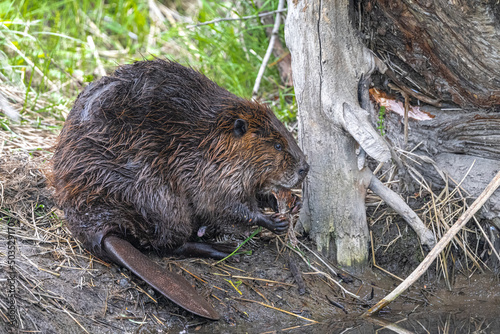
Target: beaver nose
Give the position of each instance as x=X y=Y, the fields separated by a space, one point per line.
x=303 y=170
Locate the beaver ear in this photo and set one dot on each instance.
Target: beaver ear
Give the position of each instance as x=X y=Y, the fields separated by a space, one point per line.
x=240 y=127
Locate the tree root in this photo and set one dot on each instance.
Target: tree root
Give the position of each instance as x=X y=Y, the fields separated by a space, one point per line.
x=392 y=199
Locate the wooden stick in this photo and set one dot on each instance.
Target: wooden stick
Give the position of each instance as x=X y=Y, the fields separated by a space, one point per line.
x=459 y=224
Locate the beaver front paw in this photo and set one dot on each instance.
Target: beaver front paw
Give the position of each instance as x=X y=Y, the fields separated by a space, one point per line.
x=276 y=223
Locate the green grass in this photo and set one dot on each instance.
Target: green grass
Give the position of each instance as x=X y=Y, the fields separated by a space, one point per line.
x=381 y=121
x=46 y=56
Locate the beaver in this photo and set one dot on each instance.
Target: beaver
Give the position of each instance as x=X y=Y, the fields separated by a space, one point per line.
x=155 y=153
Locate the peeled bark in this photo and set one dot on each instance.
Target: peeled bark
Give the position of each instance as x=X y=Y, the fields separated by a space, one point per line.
x=328 y=62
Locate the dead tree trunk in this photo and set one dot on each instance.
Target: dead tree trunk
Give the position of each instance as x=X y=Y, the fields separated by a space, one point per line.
x=440 y=52
x=435 y=51
x=328 y=62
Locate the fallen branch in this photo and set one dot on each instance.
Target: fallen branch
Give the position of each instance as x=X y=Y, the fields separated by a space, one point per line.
x=394 y=201
x=459 y=224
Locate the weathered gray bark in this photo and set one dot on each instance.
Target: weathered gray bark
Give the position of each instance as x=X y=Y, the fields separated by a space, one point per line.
x=328 y=62
x=448 y=145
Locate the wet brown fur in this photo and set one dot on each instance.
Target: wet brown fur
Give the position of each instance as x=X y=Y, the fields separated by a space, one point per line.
x=151 y=153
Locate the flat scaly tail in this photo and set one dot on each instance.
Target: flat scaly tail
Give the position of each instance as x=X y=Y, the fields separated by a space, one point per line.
x=169 y=284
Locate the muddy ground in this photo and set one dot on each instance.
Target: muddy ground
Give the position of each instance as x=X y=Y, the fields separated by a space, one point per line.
x=58 y=287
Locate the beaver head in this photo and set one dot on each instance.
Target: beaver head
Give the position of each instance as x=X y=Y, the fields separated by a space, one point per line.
x=259 y=145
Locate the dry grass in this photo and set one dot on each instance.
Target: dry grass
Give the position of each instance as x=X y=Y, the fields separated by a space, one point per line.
x=438 y=211
x=49 y=261
x=46 y=252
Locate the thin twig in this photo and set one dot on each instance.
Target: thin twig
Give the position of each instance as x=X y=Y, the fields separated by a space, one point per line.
x=275 y=308
x=487 y=239
x=40 y=268
x=319 y=258
x=238 y=18
x=255 y=279
x=274 y=33
x=72 y=317
x=190 y=273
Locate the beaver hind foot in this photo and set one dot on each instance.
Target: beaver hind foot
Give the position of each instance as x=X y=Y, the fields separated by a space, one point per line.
x=169 y=284
x=197 y=249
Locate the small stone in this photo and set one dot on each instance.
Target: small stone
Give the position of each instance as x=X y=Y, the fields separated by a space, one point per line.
x=123 y=282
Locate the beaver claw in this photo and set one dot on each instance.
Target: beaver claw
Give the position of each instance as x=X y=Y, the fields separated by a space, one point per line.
x=276 y=223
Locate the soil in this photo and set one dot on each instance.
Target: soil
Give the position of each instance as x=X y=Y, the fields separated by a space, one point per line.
x=61 y=288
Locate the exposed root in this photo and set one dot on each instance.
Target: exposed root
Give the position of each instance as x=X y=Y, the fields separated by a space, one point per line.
x=392 y=199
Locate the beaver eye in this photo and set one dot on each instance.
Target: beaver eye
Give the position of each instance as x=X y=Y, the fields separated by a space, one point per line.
x=277 y=146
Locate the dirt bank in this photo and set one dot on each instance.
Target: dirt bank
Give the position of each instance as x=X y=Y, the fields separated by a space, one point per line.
x=59 y=287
